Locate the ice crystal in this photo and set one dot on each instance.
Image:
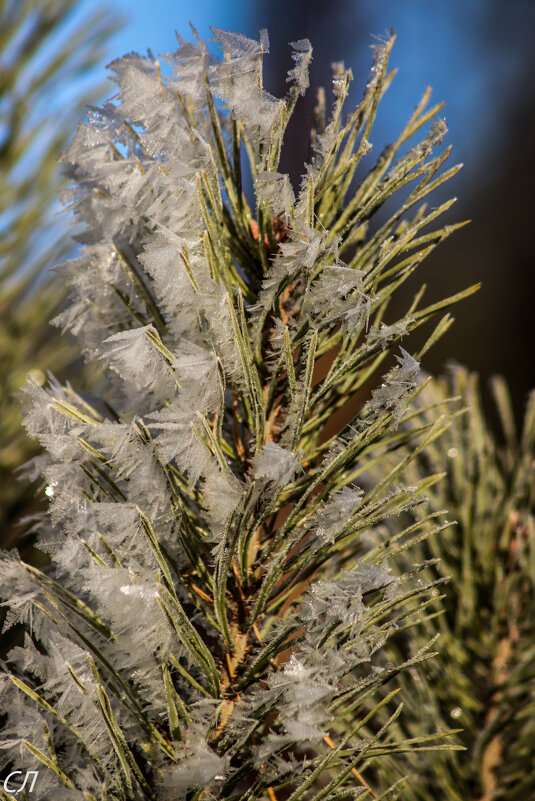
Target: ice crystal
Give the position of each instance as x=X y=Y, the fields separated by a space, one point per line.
x=275 y=464
x=395 y=392
x=334 y=515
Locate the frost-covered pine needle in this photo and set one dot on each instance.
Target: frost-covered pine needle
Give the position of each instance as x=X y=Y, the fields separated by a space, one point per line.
x=214 y=616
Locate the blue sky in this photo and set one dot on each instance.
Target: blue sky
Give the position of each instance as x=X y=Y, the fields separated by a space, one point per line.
x=152 y=23
x=433 y=45
x=439 y=43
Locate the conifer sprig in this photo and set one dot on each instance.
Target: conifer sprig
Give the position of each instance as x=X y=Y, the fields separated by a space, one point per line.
x=216 y=621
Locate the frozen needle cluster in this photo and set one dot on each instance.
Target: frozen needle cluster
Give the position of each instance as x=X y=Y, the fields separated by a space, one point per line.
x=213 y=620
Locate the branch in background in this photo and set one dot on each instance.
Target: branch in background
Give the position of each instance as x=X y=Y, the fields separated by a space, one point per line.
x=486 y=680
x=47 y=50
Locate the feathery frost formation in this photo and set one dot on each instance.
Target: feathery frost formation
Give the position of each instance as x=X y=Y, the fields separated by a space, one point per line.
x=213 y=621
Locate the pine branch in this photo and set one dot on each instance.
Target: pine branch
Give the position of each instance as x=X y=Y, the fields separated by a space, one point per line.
x=217 y=619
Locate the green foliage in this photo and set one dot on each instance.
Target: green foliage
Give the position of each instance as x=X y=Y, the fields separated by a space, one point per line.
x=484 y=680
x=43 y=53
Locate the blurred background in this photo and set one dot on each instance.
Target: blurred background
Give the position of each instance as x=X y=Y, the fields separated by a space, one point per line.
x=478 y=57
